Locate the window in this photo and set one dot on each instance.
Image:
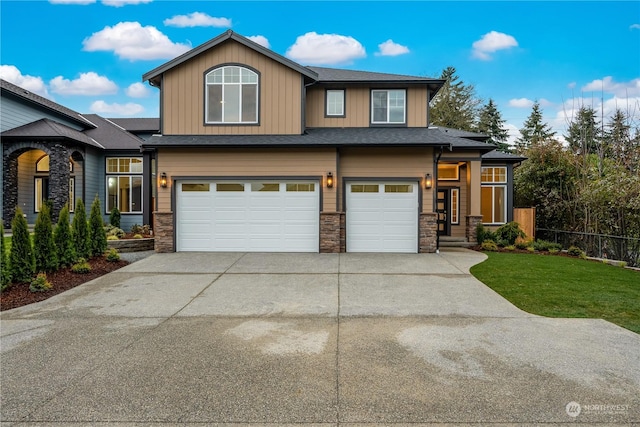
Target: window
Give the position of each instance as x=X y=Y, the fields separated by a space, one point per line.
x=455 y=206
x=364 y=188
x=448 y=172
x=230 y=187
x=124 y=184
x=41 y=192
x=398 y=188
x=265 y=187
x=292 y=187
x=195 y=187
x=231 y=95
x=493 y=196
x=388 y=106
x=335 y=103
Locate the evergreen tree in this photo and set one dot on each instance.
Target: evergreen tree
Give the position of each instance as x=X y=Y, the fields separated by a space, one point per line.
x=80 y=231
x=619 y=144
x=490 y=123
x=21 y=259
x=44 y=248
x=456 y=104
x=63 y=239
x=535 y=131
x=585 y=136
x=97 y=235
x=114 y=217
x=5 y=272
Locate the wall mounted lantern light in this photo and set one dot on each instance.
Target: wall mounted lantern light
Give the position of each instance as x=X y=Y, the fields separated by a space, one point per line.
x=329 y=180
x=163 y=180
x=428 y=181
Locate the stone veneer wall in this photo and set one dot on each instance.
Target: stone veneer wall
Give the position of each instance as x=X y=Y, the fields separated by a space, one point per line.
x=330 y=232
x=472 y=224
x=428 y=232
x=163 y=231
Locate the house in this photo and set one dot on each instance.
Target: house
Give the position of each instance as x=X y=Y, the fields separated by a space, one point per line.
x=52 y=152
x=259 y=153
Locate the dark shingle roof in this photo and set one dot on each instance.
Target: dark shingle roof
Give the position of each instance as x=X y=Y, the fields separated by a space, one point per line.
x=463 y=133
x=48 y=129
x=341 y=75
x=505 y=157
x=330 y=137
x=149 y=125
x=110 y=135
x=45 y=103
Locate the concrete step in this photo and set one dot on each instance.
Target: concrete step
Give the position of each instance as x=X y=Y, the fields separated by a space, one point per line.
x=454 y=242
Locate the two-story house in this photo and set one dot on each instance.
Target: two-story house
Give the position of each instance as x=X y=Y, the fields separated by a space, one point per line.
x=259 y=153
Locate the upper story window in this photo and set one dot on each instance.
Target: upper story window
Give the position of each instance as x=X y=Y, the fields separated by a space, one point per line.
x=335 y=103
x=388 y=106
x=231 y=95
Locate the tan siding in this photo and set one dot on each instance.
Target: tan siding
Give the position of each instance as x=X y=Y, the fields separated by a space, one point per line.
x=389 y=163
x=280 y=94
x=246 y=162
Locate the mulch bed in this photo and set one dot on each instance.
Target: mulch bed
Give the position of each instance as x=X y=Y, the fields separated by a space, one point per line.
x=62 y=280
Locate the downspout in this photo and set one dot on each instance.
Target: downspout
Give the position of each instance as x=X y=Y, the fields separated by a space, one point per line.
x=435 y=199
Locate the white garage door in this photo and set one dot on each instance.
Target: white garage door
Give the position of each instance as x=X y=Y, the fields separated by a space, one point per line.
x=382 y=217
x=263 y=216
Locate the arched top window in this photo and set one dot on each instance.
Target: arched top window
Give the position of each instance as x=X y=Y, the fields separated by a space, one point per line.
x=231 y=95
x=42 y=164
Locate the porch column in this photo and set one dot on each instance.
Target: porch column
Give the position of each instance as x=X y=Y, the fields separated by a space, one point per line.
x=9 y=188
x=59 y=179
x=474 y=180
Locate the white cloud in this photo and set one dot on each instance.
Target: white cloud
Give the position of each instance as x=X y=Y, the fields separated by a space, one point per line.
x=79 y=2
x=520 y=103
x=571 y=85
x=128 y=109
x=87 y=84
x=138 y=90
x=389 y=48
x=634 y=27
x=197 y=19
x=120 y=3
x=607 y=85
x=12 y=74
x=261 y=40
x=492 y=42
x=514 y=133
x=325 y=49
x=132 y=41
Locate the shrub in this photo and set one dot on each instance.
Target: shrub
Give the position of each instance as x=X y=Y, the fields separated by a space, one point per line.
x=509 y=232
x=5 y=272
x=136 y=229
x=531 y=249
x=40 y=283
x=80 y=231
x=63 y=239
x=109 y=238
x=137 y=236
x=523 y=242
x=113 y=255
x=21 y=259
x=114 y=217
x=480 y=234
x=97 y=235
x=575 y=251
x=489 y=245
x=543 y=245
x=114 y=231
x=510 y=248
x=554 y=251
x=81 y=267
x=44 y=248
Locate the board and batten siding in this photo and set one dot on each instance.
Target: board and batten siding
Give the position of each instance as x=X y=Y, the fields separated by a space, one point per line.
x=247 y=163
x=371 y=163
x=183 y=94
x=358 y=107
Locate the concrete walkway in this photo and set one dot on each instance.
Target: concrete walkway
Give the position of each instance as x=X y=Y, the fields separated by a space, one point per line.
x=326 y=339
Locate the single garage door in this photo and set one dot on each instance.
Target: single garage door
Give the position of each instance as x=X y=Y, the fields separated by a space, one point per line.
x=252 y=216
x=382 y=217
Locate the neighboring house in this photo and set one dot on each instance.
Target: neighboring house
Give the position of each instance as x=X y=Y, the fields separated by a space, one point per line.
x=52 y=152
x=259 y=153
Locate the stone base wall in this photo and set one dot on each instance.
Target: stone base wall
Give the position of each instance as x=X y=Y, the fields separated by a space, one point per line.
x=331 y=232
x=428 y=232
x=163 y=231
x=472 y=224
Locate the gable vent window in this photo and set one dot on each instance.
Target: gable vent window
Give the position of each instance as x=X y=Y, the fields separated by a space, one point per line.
x=231 y=96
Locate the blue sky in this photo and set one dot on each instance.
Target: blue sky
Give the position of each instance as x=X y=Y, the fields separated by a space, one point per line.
x=90 y=55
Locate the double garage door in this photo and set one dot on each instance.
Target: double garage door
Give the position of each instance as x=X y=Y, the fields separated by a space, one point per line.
x=284 y=216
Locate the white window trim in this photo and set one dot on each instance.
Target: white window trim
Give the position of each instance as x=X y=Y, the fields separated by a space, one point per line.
x=457 y=206
x=224 y=84
x=452 y=166
x=493 y=174
x=37 y=201
x=127 y=172
x=326 y=108
x=118 y=176
x=493 y=203
x=387 y=122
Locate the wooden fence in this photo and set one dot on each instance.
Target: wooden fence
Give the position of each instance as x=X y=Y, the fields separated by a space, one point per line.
x=526 y=217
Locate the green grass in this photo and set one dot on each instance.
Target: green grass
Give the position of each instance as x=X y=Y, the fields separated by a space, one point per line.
x=556 y=286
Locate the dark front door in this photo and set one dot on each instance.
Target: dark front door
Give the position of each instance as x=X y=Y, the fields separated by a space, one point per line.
x=443 y=201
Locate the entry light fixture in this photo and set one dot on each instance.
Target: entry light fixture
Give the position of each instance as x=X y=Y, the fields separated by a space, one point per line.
x=163 y=180
x=329 y=180
x=428 y=181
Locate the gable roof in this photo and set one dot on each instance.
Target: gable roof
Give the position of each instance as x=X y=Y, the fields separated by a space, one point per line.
x=149 y=125
x=502 y=156
x=49 y=129
x=110 y=135
x=45 y=103
x=228 y=35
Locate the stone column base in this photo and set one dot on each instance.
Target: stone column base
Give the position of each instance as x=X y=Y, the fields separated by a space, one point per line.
x=428 y=229
x=331 y=232
x=472 y=225
x=163 y=232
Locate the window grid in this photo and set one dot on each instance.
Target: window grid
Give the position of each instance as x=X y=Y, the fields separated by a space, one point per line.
x=388 y=106
x=335 y=102
x=455 y=206
x=231 y=96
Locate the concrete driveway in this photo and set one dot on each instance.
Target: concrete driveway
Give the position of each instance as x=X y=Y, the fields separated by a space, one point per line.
x=326 y=339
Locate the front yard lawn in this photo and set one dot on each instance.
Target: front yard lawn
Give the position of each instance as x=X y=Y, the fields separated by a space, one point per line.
x=558 y=286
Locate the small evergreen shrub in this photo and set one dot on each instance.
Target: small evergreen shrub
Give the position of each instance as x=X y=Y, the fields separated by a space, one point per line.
x=114 y=231
x=136 y=229
x=553 y=251
x=5 y=272
x=489 y=245
x=523 y=242
x=509 y=232
x=81 y=267
x=531 y=249
x=40 y=283
x=81 y=231
x=137 y=236
x=21 y=259
x=109 y=238
x=480 y=234
x=62 y=237
x=44 y=247
x=114 y=217
x=113 y=255
x=543 y=246
x=576 y=251
x=510 y=248
x=97 y=235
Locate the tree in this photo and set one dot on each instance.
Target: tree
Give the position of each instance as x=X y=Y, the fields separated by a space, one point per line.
x=534 y=131
x=63 y=239
x=456 y=104
x=114 y=217
x=80 y=231
x=584 y=133
x=621 y=146
x=44 y=249
x=490 y=123
x=5 y=272
x=21 y=259
x=97 y=235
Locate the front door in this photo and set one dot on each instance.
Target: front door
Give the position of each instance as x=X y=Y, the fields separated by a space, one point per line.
x=443 y=201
